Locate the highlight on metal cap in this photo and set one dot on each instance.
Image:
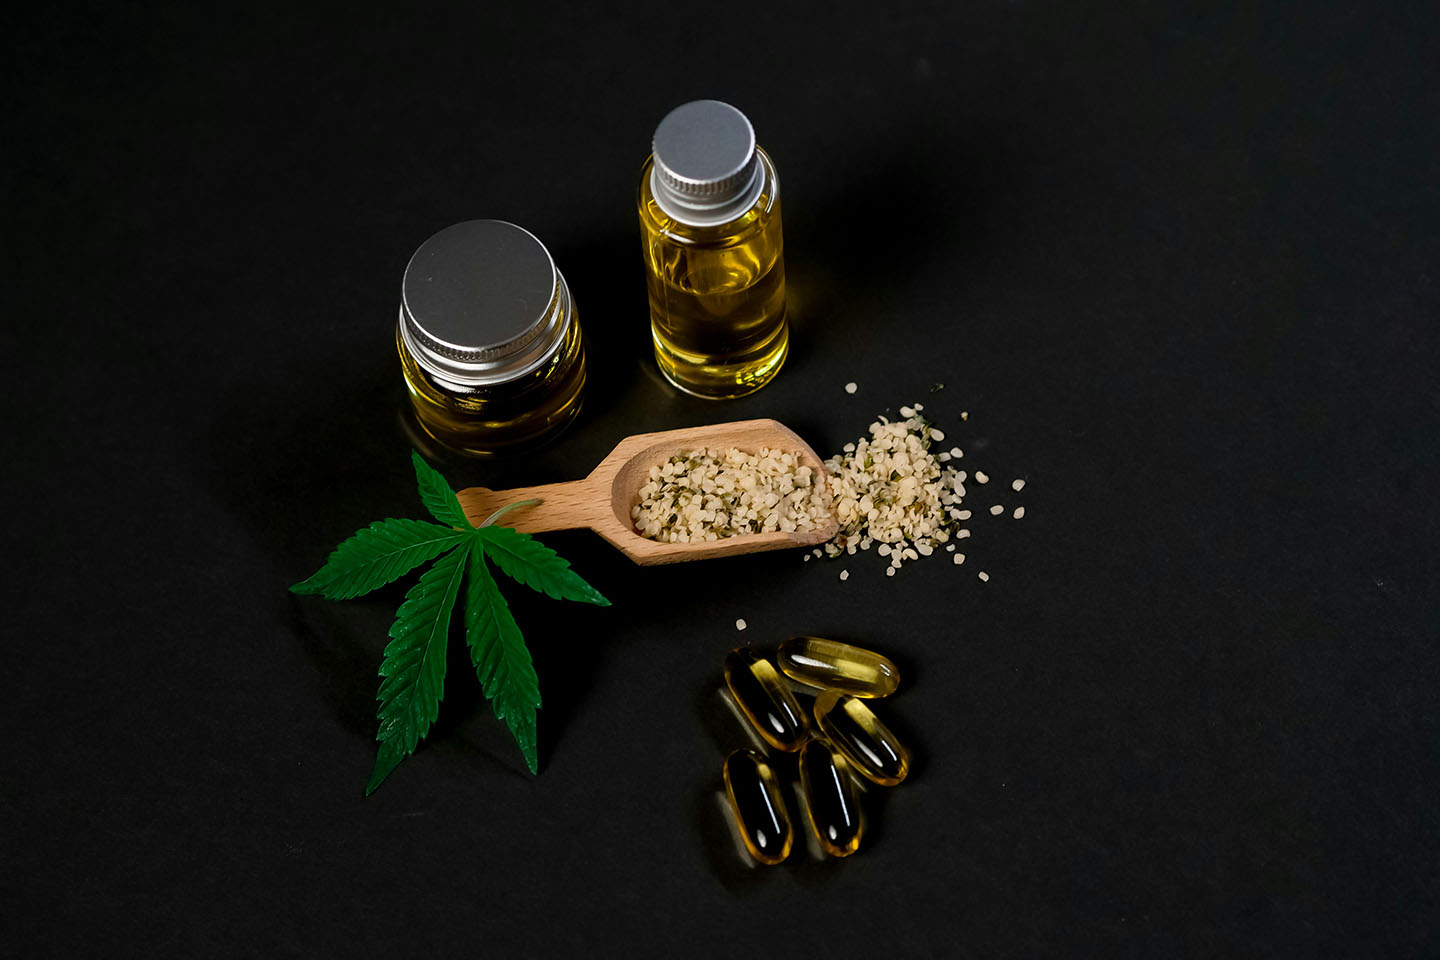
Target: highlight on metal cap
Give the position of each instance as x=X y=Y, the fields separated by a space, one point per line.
x=478 y=302
x=706 y=170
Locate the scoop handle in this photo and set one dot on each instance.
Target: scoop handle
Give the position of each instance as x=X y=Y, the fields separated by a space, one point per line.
x=563 y=506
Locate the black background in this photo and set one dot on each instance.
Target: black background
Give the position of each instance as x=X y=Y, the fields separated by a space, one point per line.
x=1178 y=263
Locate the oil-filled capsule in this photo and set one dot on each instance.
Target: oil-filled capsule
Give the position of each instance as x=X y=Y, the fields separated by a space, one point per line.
x=765 y=700
x=866 y=742
x=830 y=802
x=759 y=810
x=838 y=666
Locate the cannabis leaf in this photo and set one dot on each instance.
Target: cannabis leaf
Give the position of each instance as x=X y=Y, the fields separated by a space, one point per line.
x=412 y=674
x=436 y=494
x=414 y=667
x=373 y=557
x=502 y=663
x=537 y=566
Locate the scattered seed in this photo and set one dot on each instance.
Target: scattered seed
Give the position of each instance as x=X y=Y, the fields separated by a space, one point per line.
x=996 y=510
x=984 y=576
x=959 y=559
x=740 y=624
x=964 y=415
x=889 y=487
x=1019 y=512
x=851 y=387
x=844 y=574
x=1017 y=485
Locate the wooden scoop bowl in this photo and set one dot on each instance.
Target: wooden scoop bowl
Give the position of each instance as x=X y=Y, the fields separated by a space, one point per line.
x=603 y=500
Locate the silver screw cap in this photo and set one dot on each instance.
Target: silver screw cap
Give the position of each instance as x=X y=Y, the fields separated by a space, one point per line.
x=476 y=302
x=706 y=171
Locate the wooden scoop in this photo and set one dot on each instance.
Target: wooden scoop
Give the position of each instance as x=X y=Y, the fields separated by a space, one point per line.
x=603 y=500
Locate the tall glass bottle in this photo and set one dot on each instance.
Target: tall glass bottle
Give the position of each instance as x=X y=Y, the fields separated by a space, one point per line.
x=709 y=204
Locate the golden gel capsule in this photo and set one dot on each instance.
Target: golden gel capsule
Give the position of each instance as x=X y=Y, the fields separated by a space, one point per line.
x=830 y=802
x=867 y=744
x=838 y=666
x=754 y=794
x=765 y=700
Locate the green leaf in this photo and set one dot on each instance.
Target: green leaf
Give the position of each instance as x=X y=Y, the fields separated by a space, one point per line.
x=375 y=556
x=436 y=494
x=502 y=662
x=413 y=672
x=537 y=566
x=386 y=760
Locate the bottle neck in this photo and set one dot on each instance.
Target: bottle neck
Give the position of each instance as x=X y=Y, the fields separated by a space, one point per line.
x=703 y=204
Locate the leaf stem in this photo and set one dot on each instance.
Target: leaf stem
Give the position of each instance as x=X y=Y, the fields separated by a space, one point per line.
x=507 y=508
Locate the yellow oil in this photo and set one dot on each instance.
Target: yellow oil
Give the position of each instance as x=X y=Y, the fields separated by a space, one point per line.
x=485 y=421
x=717 y=294
x=866 y=742
x=765 y=700
x=837 y=666
x=831 y=806
x=753 y=791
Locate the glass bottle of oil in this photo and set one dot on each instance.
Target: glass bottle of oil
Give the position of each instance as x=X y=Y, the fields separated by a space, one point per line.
x=489 y=340
x=709 y=204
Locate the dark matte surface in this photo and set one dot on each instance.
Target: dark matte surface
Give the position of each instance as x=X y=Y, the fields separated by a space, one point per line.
x=1179 y=266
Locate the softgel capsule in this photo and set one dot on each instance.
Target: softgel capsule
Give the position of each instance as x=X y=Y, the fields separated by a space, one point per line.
x=823 y=761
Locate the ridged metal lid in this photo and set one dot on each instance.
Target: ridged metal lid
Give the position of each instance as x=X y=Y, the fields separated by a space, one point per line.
x=706 y=171
x=476 y=301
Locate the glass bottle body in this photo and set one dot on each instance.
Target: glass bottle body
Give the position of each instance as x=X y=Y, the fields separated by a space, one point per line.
x=490 y=419
x=717 y=293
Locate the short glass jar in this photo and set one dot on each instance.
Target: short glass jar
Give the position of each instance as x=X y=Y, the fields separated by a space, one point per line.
x=489 y=340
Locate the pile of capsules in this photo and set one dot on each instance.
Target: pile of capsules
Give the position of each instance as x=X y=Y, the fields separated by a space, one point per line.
x=850 y=740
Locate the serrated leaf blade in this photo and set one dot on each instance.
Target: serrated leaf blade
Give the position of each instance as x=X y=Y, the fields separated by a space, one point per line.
x=436 y=494
x=537 y=566
x=387 y=758
x=377 y=555
x=413 y=671
x=502 y=661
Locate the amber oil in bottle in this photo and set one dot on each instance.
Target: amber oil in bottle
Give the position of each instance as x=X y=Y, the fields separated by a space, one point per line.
x=489 y=340
x=709 y=202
